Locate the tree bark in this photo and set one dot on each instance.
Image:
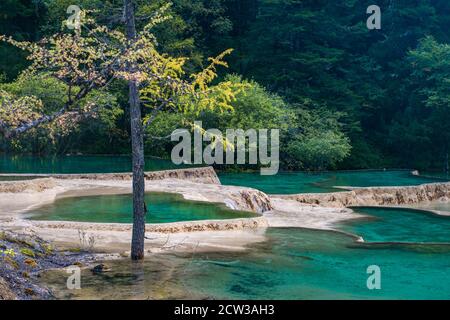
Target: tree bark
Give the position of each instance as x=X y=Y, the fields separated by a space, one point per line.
x=137 y=146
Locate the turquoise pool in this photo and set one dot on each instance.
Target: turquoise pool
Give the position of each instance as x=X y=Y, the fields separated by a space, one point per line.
x=304 y=182
x=162 y=208
x=399 y=225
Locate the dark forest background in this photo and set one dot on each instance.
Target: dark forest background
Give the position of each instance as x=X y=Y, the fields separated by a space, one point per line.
x=344 y=96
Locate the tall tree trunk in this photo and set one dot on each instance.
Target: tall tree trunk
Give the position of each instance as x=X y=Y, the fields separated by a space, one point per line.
x=137 y=145
x=446 y=162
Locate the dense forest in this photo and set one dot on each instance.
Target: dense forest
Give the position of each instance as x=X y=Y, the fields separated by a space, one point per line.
x=344 y=96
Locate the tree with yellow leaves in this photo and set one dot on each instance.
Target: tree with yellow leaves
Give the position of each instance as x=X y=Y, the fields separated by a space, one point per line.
x=94 y=56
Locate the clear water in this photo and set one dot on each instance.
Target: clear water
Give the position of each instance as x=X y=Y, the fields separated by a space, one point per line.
x=162 y=208
x=434 y=205
x=291 y=264
x=304 y=182
x=77 y=164
x=399 y=225
x=436 y=174
x=282 y=183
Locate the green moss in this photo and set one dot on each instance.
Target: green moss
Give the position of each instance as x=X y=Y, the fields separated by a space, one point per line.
x=8 y=252
x=27 y=252
x=48 y=249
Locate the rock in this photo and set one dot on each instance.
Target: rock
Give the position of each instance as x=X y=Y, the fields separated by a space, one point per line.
x=29 y=292
x=201 y=175
x=376 y=196
x=101 y=268
x=37 y=185
x=5 y=291
x=254 y=200
x=31 y=263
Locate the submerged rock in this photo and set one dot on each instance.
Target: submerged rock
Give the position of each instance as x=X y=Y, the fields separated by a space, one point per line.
x=100 y=268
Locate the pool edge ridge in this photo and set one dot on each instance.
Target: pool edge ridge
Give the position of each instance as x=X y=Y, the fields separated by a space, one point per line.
x=375 y=196
x=197 y=174
x=171 y=227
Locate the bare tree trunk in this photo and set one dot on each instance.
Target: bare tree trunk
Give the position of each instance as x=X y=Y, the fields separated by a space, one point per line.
x=446 y=162
x=137 y=145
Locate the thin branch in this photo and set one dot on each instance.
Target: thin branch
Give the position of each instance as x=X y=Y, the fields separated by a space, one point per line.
x=30 y=125
x=155 y=113
x=49 y=118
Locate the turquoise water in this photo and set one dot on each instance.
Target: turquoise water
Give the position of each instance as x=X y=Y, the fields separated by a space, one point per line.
x=291 y=264
x=434 y=205
x=399 y=225
x=162 y=208
x=436 y=174
x=282 y=183
x=77 y=164
x=304 y=182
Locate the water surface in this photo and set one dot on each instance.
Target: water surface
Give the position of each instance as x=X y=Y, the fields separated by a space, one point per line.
x=77 y=164
x=304 y=182
x=162 y=208
x=291 y=264
x=282 y=183
x=443 y=206
x=399 y=225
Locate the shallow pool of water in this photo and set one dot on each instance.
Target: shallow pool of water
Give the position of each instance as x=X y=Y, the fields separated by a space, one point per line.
x=434 y=205
x=304 y=182
x=291 y=264
x=399 y=225
x=162 y=208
